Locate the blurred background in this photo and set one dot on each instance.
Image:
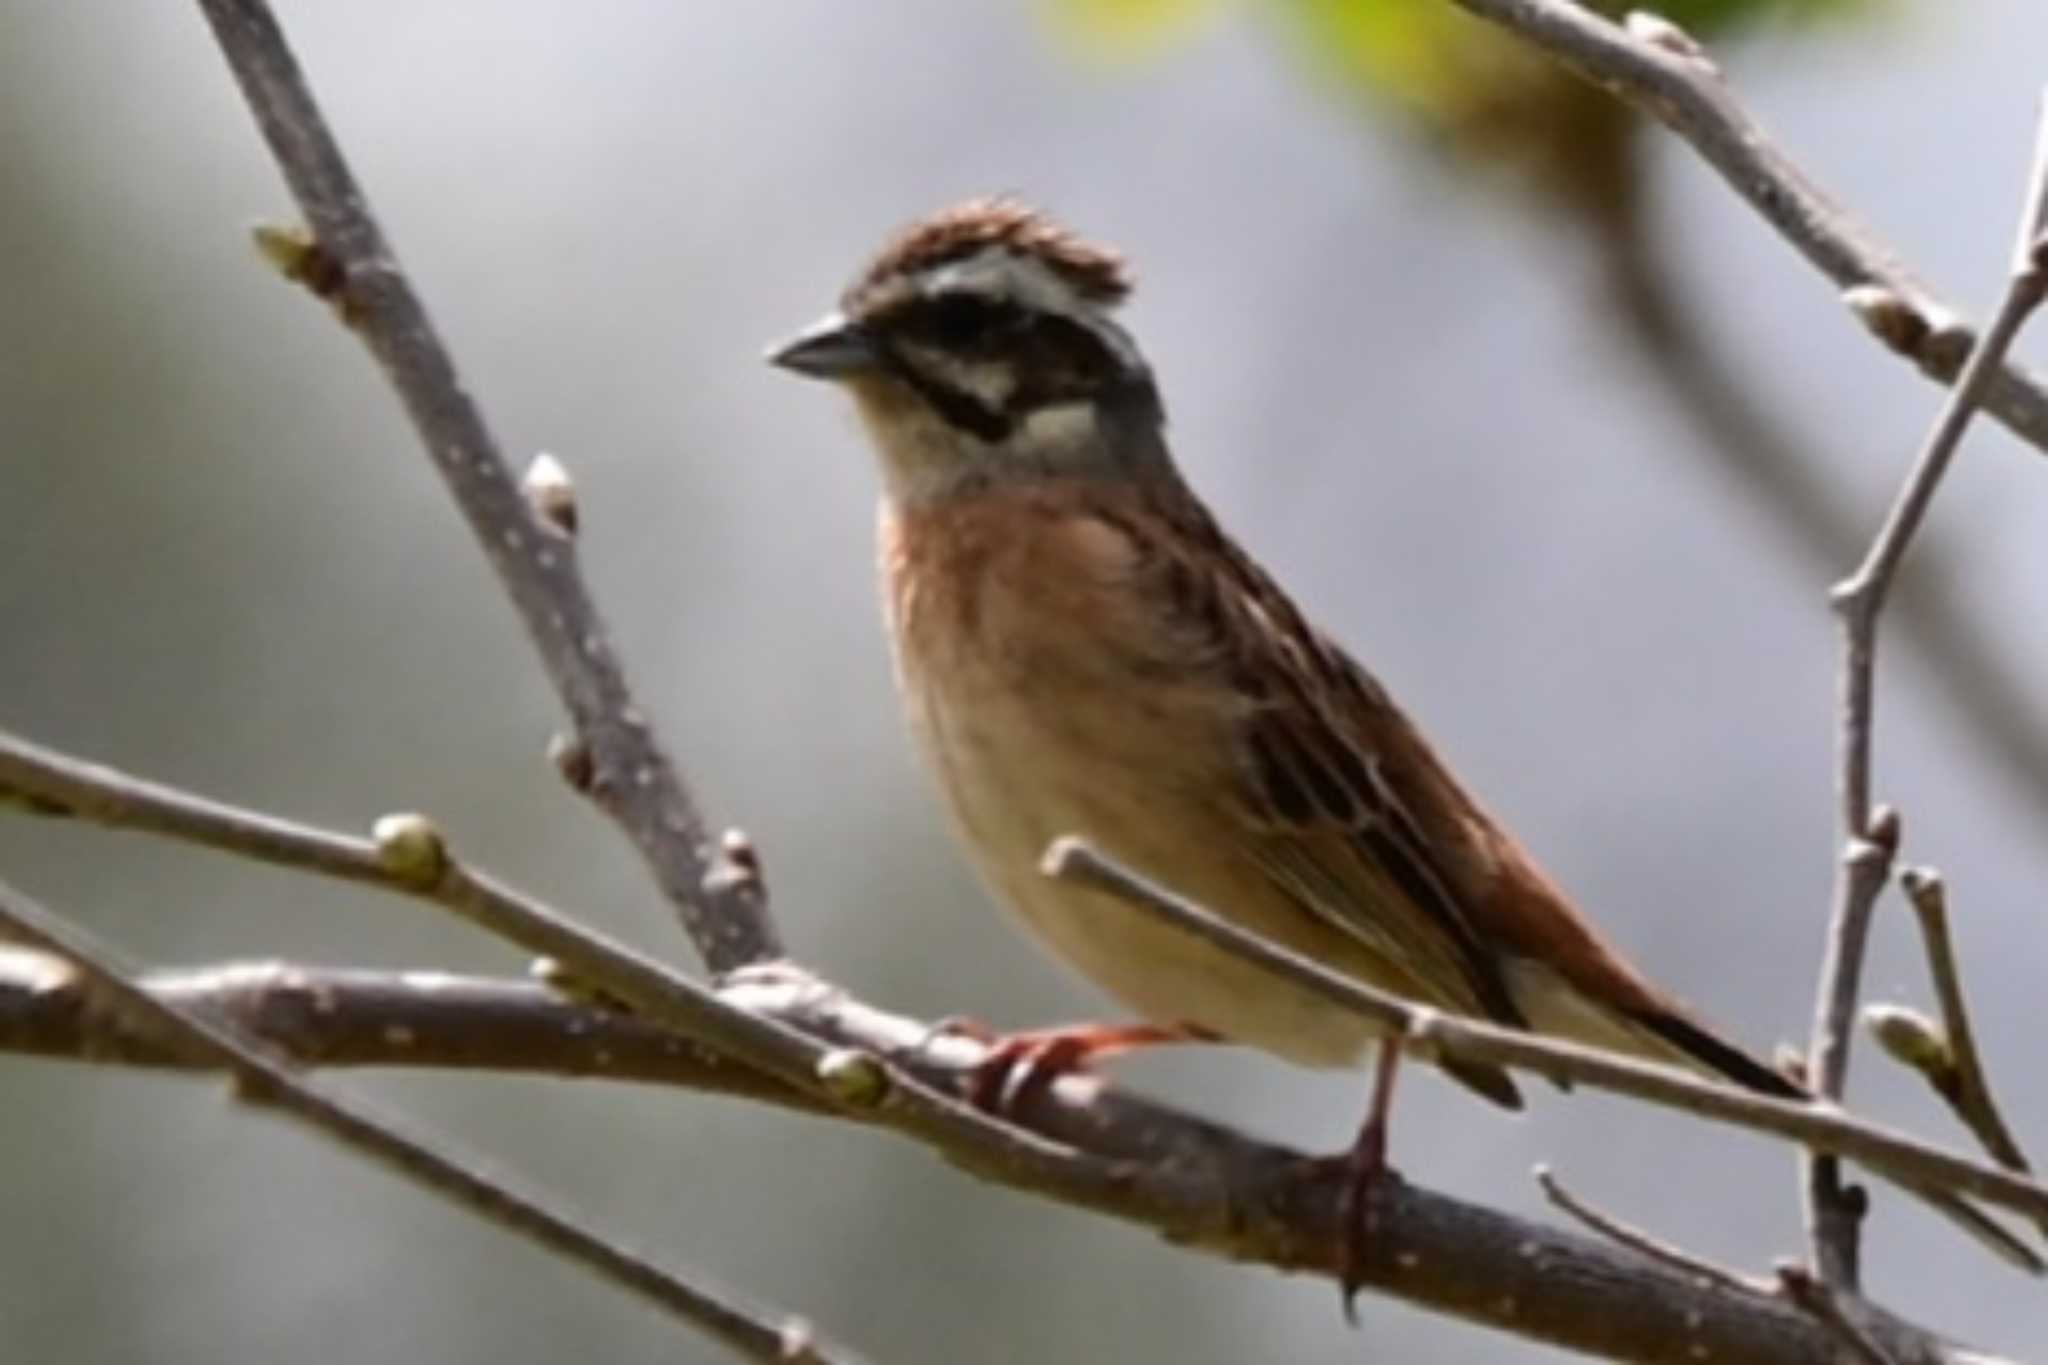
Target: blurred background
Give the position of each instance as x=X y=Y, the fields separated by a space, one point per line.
x=1520 y=401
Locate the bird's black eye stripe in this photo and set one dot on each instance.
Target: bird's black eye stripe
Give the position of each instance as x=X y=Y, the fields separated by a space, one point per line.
x=961 y=320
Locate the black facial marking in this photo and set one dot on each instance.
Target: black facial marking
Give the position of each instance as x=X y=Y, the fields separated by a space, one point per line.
x=959 y=407
x=1052 y=359
x=967 y=324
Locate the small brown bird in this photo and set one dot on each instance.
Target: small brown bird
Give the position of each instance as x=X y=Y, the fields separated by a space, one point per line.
x=1083 y=651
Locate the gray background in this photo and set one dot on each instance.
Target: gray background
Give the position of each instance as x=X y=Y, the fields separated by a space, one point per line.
x=224 y=563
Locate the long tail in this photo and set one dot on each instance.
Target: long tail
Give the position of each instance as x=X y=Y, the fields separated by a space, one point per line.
x=1725 y=1059
x=1722 y=1058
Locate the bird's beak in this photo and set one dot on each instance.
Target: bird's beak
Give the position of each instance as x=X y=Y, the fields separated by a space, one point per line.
x=830 y=348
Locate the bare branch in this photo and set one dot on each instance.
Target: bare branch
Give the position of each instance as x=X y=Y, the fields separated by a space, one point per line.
x=1869 y=841
x=1643 y=1244
x=1198 y=1184
x=262 y=1078
x=1962 y=1082
x=410 y=857
x=1428 y=1033
x=1673 y=83
x=1281 y=1214
x=414 y=862
x=353 y=1017
x=1431 y=1250
x=631 y=776
x=1814 y=1295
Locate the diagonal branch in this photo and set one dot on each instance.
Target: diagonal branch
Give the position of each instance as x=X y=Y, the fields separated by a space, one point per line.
x=1868 y=841
x=1197 y=1183
x=413 y=862
x=1919 y=1167
x=409 y=857
x=1432 y=1250
x=1961 y=1078
x=263 y=1078
x=1657 y=69
x=631 y=776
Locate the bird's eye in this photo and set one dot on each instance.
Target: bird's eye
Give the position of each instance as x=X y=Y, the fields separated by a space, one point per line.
x=961 y=320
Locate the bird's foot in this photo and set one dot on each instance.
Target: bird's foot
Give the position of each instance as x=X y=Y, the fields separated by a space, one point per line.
x=1367 y=1181
x=1019 y=1066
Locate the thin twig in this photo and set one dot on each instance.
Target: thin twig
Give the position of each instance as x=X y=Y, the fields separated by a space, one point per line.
x=411 y=857
x=264 y=1079
x=1835 y=1208
x=1668 y=78
x=1964 y=1083
x=1988 y=697
x=631 y=776
x=1636 y=1240
x=1429 y=1033
x=1859 y=602
x=1815 y=1296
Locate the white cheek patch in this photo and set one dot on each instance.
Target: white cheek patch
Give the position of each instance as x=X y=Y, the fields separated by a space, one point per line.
x=1058 y=428
x=991 y=382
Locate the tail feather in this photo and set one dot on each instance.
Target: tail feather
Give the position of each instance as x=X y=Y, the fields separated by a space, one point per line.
x=1726 y=1060
x=1722 y=1058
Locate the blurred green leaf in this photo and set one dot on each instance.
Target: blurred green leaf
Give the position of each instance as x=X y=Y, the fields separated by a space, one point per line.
x=1432 y=56
x=1127 y=29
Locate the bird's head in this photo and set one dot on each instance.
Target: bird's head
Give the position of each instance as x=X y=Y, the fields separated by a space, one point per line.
x=979 y=346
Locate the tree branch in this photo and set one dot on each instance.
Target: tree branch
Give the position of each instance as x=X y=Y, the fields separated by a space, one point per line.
x=1643 y=1243
x=1659 y=70
x=261 y=1078
x=1430 y=1249
x=354 y=1017
x=1868 y=841
x=631 y=776
x=1429 y=1033
x=1178 y=1178
x=410 y=857
x=1197 y=1183
x=413 y=862
x=1962 y=1081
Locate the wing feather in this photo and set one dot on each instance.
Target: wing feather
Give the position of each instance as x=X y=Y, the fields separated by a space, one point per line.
x=1339 y=839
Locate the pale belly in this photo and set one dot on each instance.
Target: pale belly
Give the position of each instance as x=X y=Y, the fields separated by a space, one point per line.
x=1011 y=797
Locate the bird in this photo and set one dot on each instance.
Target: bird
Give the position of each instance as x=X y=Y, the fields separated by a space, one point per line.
x=1081 y=649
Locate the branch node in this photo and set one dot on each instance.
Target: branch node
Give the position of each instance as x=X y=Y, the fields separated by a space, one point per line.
x=1911 y=1039
x=854 y=1077
x=39 y=973
x=551 y=493
x=1820 y=1301
x=1666 y=36
x=798 y=1341
x=571 y=757
x=1636 y=1240
x=1849 y=598
x=1962 y=1082
x=295 y=253
x=411 y=848
x=1920 y=881
x=560 y=980
x=740 y=852
x=1889 y=316
x=736 y=872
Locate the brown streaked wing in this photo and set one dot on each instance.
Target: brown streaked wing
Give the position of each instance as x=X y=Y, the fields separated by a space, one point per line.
x=1338 y=838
